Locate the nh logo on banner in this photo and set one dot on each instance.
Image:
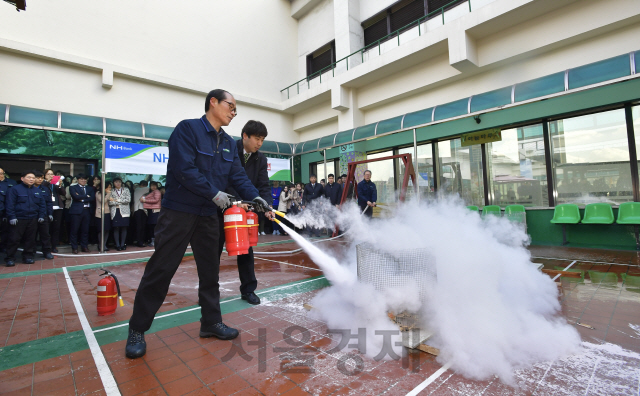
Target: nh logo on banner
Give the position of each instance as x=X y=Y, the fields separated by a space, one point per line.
x=135 y=158
x=160 y=157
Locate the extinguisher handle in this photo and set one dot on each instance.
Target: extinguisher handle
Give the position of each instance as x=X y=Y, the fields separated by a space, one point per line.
x=106 y=272
x=117 y=283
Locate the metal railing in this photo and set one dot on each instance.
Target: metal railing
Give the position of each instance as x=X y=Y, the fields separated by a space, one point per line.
x=377 y=43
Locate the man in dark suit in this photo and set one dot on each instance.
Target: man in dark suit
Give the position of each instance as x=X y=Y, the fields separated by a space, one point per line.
x=255 y=165
x=80 y=211
x=312 y=191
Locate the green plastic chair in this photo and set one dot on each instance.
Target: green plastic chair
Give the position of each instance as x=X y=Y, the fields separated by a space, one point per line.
x=598 y=213
x=631 y=283
x=629 y=213
x=566 y=214
x=581 y=280
x=472 y=208
x=493 y=210
x=515 y=213
x=604 y=278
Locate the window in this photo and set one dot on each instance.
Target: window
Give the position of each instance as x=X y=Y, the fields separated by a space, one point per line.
x=461 y=171
x=424 y=173
x=321 y=58
x=382 y=175
x=317 y=168
x=635 y=114
x=517 y=168
x=591 y=158
x=395 y=17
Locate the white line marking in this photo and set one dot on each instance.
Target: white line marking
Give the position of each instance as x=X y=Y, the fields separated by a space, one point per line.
x=282 y=262
x=543 y=377
x=195 y=308
x=109 y=383
x=429 y=380
x=593 y=373
x=584 y=261
x=569 y=266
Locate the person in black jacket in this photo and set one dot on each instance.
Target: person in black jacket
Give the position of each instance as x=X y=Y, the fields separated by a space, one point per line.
x=80 y=211
x=5 y=185
x=57 y=190
x=43 y=228
x=255 y=165
x=312 y=191
x=25 y=208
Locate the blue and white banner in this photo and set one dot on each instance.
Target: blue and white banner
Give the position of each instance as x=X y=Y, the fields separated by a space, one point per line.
x=135 y=158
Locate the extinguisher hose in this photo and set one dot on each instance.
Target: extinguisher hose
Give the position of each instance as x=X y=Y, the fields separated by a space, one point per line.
x=117 y=287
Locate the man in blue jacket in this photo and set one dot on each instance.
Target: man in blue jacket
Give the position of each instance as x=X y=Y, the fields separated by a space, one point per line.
x=80 y=212
x=203 y=162
x=25 y=208
x=5 y=185
x=367 y=194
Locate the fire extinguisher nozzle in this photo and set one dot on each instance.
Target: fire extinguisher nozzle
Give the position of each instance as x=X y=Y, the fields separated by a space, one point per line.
x=121 y=302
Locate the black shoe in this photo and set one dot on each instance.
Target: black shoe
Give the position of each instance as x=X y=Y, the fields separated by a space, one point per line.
x=124 y=247
x=106 y=249
x=85 y=250
x=54 y=250
x=251 y=298
x=140 y=244
x=28 y=261
x=48 y=256
x=10 y=263
x=136 y=346
x=219 y=330
x=74 y=251
x=118 y=248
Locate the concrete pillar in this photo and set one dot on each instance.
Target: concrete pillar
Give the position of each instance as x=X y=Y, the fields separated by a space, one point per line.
x=349 y=34
x=344 y=100
x=463 y=53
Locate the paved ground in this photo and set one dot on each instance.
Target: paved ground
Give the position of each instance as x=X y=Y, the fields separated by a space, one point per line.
x=44 y=350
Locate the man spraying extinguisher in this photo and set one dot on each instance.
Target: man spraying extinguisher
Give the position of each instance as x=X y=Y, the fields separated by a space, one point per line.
x=203 y=161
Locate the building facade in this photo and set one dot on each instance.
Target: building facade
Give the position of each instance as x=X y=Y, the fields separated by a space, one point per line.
x=342 y=80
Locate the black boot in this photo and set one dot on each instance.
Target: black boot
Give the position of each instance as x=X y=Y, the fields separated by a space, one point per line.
x=136 y=346
x=219 y=330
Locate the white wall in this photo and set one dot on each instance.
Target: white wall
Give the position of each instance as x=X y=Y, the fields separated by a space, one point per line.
x=246 y=46
x=49 y=85
x=315 y=29
x=317 y=131
x=369 y=8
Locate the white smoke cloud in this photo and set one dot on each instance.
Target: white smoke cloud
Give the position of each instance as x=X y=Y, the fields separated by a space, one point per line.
x=491 y=311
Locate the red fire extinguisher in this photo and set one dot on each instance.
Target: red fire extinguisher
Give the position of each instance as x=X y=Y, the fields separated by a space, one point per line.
x=108 y=293
x=252 y=223
x=236 y=231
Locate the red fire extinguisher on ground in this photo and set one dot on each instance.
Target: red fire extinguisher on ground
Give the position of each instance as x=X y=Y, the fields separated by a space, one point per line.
x=108 y=293
x=236 y=231
x=253 y=224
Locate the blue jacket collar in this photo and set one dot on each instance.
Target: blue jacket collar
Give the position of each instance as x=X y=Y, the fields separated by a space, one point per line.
x=210 y=127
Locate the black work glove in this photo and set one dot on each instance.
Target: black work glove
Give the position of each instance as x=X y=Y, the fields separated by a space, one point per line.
x=260 y=204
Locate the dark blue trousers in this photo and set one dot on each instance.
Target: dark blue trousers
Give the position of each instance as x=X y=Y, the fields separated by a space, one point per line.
x=80 y=225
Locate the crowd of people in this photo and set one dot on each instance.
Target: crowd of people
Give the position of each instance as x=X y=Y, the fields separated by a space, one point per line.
x=50 y=209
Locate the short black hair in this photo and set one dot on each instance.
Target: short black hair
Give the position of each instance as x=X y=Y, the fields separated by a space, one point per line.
x=81 y=176
x=144 y=183
x=367 y=171
x=343 y=175
x=115 y=179
x=321 y=180
x=312 y=175
x=330 y=175
x=219 y=94
x=255 y=128
x=25 y=173
x=38 y=174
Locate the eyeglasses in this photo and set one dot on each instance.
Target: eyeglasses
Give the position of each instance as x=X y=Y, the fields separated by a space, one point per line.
x=232 y=107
